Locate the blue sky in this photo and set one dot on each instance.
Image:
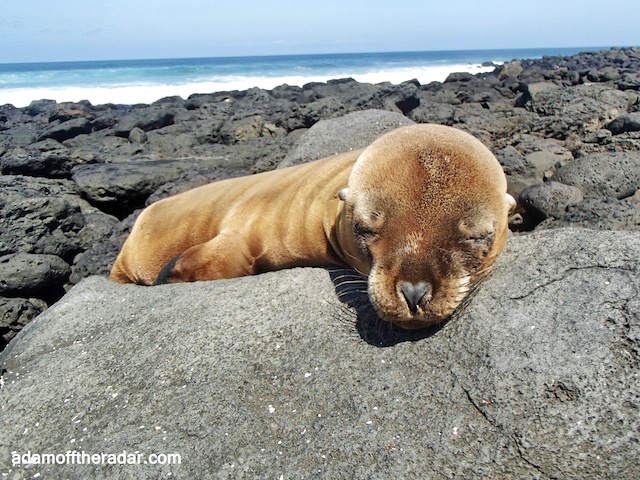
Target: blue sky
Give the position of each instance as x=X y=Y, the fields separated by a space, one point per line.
x=60 y=30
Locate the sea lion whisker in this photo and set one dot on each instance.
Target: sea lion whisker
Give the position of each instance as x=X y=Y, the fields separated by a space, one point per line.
x=475 y=288
x=352 y=291
x=352 y=282
x=357 y=300
x=351 y=275
x=351 y=286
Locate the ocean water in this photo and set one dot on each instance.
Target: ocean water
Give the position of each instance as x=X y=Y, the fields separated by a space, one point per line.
x=145 y=81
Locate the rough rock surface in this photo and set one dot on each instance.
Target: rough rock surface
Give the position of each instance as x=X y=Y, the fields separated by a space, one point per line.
x=267 y=376
x=124 y=182
x=40 y=216
x=25 y=274
x=625 y=123
x=614 y=174
x=15 y=313
x=350 y=132
x=550 y=199
x=604 y=213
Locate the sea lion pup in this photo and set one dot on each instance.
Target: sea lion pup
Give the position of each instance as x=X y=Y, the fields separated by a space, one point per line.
x=422 y=211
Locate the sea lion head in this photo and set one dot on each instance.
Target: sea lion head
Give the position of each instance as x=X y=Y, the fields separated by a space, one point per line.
x=428 y=210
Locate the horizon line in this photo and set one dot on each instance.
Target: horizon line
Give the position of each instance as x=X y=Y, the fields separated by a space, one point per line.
x=48 y=62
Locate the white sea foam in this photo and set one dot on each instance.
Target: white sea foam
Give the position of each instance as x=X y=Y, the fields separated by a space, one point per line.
x=148 y=93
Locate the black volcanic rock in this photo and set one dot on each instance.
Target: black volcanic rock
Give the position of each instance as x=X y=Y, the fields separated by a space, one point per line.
x=459 y=77
x=15 y=313
x=47 y=158
x=148 y=118
x=615 y=174
x=401 y=98
x=66 y=130
x=549 y=199
x=604 y=213
x=625 y=123
x=578 y=110
x=132 y=182
x=520 y=173
x=432 y=112
x=630 y=81
x=99 y=256
x=248 y=128
x=66 y=111
x=30 y=275
x=606 y=74
x=40 y=107
x=40 y=216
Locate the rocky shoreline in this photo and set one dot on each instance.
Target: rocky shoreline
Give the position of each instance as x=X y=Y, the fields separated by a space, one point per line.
x=74 y=176
x=287 y=374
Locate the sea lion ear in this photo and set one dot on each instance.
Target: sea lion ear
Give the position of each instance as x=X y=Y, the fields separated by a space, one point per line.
x=342 y=194
x=512 y=203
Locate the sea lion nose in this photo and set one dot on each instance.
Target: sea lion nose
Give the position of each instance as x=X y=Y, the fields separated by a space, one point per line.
x=413 y=293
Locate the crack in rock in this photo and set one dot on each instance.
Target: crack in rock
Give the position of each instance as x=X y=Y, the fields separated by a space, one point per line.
x=564 y=276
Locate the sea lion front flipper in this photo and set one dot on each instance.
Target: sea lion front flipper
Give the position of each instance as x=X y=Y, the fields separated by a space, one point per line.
x=165 y=273
x=225 y=256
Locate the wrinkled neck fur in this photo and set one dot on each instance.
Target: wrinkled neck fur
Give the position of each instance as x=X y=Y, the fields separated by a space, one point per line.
x=342 y=241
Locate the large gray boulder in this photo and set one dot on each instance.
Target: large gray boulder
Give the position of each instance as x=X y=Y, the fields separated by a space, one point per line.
x=67 y=129
x=615 y=174
x=146 y=118
x=549 y=199
x=124 y=182
x=338 y=135
x=272 y=377
x=625 y=123
x=29 y=274
x=581 y=109
x=48 y=158
x=600 y=214
x=39 y=215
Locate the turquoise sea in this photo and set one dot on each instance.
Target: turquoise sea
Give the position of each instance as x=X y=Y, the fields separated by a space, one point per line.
x=144 y=81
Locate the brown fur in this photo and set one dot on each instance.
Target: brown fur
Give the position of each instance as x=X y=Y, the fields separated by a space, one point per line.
x=425 y=208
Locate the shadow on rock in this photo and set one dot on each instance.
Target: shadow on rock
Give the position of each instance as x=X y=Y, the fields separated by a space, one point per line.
x=351 y=289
